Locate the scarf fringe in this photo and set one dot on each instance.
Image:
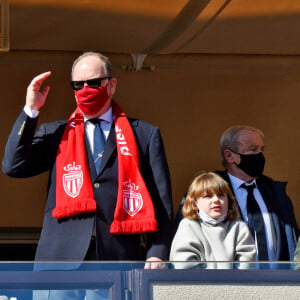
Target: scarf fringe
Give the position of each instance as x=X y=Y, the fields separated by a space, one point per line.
x=133 y=226
x=77 y=207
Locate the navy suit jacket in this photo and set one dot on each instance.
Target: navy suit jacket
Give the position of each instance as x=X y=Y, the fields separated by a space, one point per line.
x=29 y=153
x=281 y=210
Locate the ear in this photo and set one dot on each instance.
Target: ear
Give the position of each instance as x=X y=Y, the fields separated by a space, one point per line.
x=229 y=156
x=112 y=86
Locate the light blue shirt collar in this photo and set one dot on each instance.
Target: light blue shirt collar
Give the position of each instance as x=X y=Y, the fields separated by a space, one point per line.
x=107 y=116
x=237 y=182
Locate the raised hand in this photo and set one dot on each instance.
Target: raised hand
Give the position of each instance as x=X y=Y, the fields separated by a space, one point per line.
x=36 y=96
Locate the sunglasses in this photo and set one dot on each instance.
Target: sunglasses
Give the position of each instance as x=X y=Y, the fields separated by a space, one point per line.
x=93 y=83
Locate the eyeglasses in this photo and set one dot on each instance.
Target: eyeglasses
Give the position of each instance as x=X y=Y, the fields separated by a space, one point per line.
x=93 y=83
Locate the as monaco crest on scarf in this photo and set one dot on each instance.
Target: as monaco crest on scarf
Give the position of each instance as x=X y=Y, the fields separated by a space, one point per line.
x=132 y=199
x=72 y=180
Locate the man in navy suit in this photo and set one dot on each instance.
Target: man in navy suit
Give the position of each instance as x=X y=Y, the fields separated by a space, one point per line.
x=87 y=236
x=241 y=149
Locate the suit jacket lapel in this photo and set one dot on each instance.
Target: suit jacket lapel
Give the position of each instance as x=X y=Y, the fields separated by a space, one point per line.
x=266 y=194
x=268 y=197
x=90 y=159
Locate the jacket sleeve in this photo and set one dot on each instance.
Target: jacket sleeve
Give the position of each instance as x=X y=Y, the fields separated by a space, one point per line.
x=27 y=150
x=159 y=186
x=286 y=215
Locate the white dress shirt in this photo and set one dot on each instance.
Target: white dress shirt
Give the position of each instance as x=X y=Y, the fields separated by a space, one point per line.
x=31 y=112
x=106 y=122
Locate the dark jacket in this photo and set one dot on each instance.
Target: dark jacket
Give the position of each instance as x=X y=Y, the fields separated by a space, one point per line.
x=28 y=153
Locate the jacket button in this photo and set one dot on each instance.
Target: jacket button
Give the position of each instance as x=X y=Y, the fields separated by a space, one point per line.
x=97 y=185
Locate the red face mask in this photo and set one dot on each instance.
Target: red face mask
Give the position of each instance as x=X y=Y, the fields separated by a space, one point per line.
x=91 y=100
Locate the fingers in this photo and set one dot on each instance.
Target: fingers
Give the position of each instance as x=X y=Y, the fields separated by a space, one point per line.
x=38 y=80
x=45 y=91
x=41 y=77
x=154 y=263
x=36 y=96
x=147 y=266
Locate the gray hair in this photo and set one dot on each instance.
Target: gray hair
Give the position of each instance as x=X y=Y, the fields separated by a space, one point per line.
x=104 y=59
x=230 y=138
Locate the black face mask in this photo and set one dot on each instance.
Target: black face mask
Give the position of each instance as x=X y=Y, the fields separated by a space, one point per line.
x=252 y=164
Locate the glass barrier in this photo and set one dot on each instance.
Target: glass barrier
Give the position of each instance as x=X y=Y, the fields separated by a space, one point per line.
x=225 y=265
x=127 y=280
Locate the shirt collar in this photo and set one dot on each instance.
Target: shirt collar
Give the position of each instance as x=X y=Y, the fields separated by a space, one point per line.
x=237 y=182
x=107 y=116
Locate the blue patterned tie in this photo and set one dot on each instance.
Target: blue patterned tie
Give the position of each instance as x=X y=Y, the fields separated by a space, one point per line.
x=99 y=143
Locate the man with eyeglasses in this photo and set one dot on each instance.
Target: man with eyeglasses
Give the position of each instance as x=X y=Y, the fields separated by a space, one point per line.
x=120 y=209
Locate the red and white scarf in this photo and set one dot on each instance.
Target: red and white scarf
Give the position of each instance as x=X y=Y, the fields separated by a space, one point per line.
x=134 y=212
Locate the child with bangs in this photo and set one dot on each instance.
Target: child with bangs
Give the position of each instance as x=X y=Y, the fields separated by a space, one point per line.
x=211 y=230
